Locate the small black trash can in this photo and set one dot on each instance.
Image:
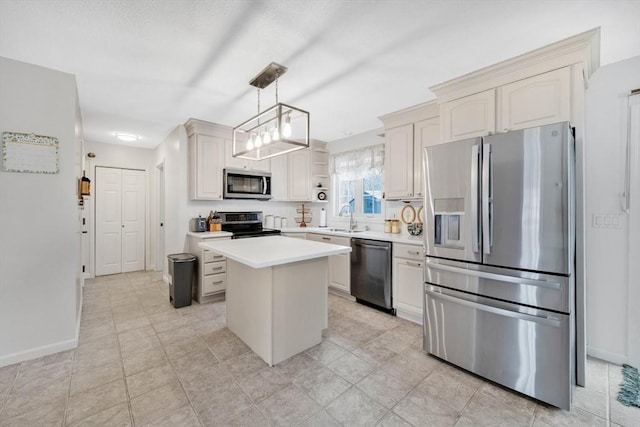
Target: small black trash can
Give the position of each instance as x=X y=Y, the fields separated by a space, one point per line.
x=180 y=276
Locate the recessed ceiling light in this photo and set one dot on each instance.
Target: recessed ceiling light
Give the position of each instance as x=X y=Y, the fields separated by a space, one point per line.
x=129 y=137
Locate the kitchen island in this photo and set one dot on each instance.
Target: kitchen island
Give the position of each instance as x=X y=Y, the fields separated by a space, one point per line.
x=276 y=292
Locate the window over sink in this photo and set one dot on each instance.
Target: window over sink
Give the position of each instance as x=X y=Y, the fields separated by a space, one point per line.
x=358 y=181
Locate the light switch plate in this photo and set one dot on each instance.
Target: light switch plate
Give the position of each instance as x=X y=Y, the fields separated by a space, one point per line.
x=606 y=221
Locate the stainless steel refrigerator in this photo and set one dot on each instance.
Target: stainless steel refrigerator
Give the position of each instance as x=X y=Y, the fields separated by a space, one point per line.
x=499 y=270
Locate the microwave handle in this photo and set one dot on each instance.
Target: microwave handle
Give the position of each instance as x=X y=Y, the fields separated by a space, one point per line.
x=264 y=185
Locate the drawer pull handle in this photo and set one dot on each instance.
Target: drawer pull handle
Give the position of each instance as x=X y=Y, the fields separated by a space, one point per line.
x=218 y=282
x=414 y=264
x=218 y=256
x=326 y=238
x=414 y=252
x=217 y=268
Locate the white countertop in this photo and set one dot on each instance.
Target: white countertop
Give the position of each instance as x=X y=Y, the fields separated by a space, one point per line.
x=210 y=234
x=374 y=235
x=268 y=251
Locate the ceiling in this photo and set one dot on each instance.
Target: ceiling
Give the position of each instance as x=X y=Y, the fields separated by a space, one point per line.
x=145 y=66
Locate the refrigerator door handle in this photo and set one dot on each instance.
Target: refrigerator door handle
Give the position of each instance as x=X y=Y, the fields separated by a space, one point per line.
x=495 y=310
x=475 y=232
x=487 y=194
x=494 y=276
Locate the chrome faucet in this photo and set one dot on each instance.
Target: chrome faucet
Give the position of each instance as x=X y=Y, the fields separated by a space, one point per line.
x=352 y=223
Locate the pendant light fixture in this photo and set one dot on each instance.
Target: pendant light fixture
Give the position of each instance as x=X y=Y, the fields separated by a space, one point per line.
x=278 y=130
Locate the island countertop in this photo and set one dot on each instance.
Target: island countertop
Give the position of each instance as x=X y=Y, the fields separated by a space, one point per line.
x=268 y=251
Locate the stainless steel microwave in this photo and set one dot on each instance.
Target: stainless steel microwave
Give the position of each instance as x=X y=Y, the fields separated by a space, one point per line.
x=245 y=184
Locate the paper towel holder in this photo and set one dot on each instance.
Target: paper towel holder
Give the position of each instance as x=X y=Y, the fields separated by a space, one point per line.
x=323 y=218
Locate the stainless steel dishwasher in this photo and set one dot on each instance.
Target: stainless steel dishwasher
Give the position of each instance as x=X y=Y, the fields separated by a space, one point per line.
x=371 y=272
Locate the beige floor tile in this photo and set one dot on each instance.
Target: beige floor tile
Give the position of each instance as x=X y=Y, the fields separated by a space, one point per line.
x=184 y=348
x=561 y=418
x=182 y=417
x=137 y=362
x=20 y=401
x=97 y=376
x=35 y=376
x=127 y=325
x=263 y=384
x=144 y=381
x=248 y=418
x=597 y=375
x=393 y=420
x=91 y=402
x=115 y=416
x=297 y=366
x=177 y=334
x=291 y=406
x=195 y=362
x=158 y=403
x=108 y=342
x=171 y=323
x=90 y=360
x=451 y=386
x=375 y=351
x=48 y=414
x=321 y=419
x=245 y=364
x=7 y=379
x=205 y=381
x=352 y=368
x=628 y=416
x=411 y=367
x=322 y=385
x=141 y=345
x=354 y=408
x=384 y=388
x=221 y=404
x=488 y=408
x=420 y=409
x=326 y=352
x=590 y=400
x=229 y=348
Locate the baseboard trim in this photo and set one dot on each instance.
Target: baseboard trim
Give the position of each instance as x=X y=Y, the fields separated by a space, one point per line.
x=34 y=353
x=341 y=293
x=607 y=356
x=411 y=317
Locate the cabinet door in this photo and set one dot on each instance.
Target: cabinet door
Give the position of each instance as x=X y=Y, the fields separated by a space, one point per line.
x=468 y=117
x=300 y=175
x=237 y=163
x=408 y=287
x=398 y=162
x=339 y=272
x=426 y=133
x=536 y=101
x=279 y=177
x=206 y=156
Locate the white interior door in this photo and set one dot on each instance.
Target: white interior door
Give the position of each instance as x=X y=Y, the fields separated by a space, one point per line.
x=632 y=202
x=160 y=256
x=108 y=221
x=133 y=224
x=120 y=220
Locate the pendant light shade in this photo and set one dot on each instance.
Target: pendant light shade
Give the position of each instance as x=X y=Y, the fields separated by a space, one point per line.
x=277 y=130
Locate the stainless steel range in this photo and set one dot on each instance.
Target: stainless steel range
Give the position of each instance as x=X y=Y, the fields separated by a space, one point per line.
x=245 y=224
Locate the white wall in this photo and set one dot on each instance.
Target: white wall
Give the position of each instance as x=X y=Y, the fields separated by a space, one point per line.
x=607 y=248
x=38 y=218
x=120 y=156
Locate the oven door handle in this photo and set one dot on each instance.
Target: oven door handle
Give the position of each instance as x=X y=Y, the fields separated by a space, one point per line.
x=493 y=276
x=549 y=321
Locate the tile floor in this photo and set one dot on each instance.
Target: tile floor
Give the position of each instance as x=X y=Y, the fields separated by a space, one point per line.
x=142 y=362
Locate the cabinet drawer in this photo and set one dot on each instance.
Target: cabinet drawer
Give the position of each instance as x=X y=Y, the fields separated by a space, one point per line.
x=401 y=250
x=334 y=240
x=210 y=256
x=214 y=283
x=215 y=267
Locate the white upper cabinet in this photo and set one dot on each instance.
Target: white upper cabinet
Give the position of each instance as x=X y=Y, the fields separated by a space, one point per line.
x=398 y=161
x=206 y=158
x=426 y=133
x=469 y=117
x=237 y=163
x=205 y=167
x=406 y=133
x=536 y=101
x=300 y=175
x=294 y=176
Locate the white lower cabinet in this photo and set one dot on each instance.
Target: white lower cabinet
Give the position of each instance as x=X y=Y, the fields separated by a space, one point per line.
x=339 y=265
x=295 y=235
x=210 y=277
x=407 y=281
